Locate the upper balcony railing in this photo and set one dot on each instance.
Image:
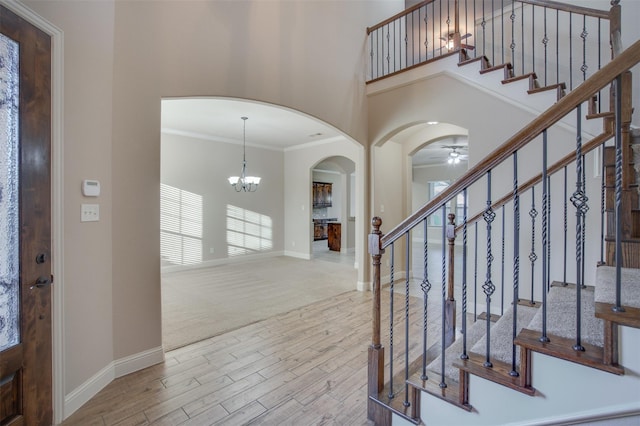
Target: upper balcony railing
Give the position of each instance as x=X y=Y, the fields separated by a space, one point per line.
x=560 y=43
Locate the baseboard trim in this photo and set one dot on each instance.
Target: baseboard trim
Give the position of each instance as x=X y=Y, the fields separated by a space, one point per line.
x=135 y=362
x=118 y=368
x=224 y=261
x=83 y=393
x=303 y=256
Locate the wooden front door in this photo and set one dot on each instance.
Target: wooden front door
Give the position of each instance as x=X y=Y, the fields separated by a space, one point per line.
x=25 y=223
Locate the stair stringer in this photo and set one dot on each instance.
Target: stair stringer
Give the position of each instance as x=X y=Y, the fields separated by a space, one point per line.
x=514 y=93
x=566 y=393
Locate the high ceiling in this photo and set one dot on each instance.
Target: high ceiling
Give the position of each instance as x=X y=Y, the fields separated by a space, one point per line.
x=272 y=127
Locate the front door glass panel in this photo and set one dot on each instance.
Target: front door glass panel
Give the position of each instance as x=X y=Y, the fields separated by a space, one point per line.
x=9 y=195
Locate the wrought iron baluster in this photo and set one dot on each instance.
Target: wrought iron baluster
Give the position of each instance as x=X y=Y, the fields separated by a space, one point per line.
x=391 y=315
x=448 y=22
x=388 y=51
x=395 y=56
x=502 y=29
x=522 y=37
x=566 y=198
x=426 y=32
x=618 y=193
x=475 y=275
x=406 y=318
x=584 y=224
x=557 y=46
x=425 y=286
x=371 y=55
x=533 y=213
x=516 y=261
x=545 y=247
x=602 y=203
x=513 y=34
x=464 y=278
x=433 y=33
x=533 y=38
x=493 y=33
x=483 y=24
x=570 y=51
x=599 y=61
x=548 y=227
x=579 y=200
x=406 y=43
x=545 y=41
x=583 y=36
x=488 y=286
x=502 y=265
x=444 y=295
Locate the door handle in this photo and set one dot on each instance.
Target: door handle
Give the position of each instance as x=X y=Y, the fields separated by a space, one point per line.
x=42 y=282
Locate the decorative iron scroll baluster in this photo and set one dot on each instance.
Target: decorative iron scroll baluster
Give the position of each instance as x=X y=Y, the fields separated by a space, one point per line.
x=444 y=294
x=549 y=227
x=425 y=286
x=475 y=274
x=391 y=289
x=599 y=61
x=566 y=198
x=406 y=318
x=583 y=36
x=584 y=223
x=579 y=200
x=545 y=41
x=448 y=22
x=433 y=32
x=545 y=246
x=533 y=213
x=516 y=261
x=618 y=193
x=488 y=287
x=464 y=278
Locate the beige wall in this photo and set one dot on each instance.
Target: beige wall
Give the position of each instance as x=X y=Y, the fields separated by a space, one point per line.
x=120 y=59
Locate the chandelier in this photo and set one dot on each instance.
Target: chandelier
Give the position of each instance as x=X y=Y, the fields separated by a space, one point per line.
x=243 y=182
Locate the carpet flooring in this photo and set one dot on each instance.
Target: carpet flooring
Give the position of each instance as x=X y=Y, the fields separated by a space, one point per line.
x=202 y=303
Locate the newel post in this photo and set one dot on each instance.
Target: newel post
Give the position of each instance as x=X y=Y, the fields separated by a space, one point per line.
x=450 y=303
x=376 y=351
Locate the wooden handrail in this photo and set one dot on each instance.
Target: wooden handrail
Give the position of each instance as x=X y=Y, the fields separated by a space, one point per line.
x=596 y=13
x=603 y=14
x=398 y=15
x=555 y=113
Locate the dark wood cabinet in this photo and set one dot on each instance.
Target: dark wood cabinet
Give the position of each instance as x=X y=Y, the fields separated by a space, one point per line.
x=321 y=194
x=334 y=234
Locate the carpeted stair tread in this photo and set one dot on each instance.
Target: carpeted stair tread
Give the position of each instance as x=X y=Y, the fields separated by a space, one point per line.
x=502 y=334
x=474 y=333
x=606 y=286
x=561 y=315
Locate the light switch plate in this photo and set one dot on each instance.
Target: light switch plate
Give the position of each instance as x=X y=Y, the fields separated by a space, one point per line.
x=89 y=212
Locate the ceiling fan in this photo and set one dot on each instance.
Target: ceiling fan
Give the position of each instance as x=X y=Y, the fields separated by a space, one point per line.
x=448 y=40
x=455 y=156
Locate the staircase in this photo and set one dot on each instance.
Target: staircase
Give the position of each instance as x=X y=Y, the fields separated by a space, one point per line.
x=565 y=348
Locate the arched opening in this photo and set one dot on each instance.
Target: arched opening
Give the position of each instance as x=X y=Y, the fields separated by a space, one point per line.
x=208 y=228
x=333 y=206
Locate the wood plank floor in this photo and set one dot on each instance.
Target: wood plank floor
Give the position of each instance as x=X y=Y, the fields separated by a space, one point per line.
x=304 y=367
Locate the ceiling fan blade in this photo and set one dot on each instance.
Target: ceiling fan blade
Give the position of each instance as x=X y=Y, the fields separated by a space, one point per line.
x=467 y=35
